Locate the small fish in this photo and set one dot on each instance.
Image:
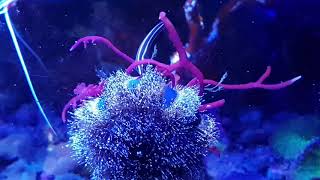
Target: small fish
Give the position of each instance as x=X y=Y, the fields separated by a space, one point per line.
x=147 y=42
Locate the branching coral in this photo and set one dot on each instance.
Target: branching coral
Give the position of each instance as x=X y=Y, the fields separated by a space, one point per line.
x=183 y=63
x=147 y=127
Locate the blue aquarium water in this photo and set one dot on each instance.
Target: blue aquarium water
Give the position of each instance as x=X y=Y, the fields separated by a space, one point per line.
x=97 y=89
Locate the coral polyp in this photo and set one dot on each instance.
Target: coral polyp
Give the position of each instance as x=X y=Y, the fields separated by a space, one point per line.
x=142 y=129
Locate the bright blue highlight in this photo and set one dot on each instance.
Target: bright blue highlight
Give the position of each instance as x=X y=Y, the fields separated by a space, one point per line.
x=133 y=84
x=169 y=96
x=102 y=104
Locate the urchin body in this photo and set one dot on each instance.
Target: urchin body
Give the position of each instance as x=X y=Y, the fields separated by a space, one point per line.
x=142 y=129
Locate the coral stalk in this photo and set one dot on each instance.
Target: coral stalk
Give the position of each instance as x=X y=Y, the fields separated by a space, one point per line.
x=107 y=42
x=84 y=92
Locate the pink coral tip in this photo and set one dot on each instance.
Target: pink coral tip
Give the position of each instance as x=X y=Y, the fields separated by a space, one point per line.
x=162 y=14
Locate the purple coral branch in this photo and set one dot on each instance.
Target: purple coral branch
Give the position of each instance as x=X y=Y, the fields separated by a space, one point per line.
x=107 y=42
x=174 y=37
x=146 y=61
x=160 y=67
x=251 y=85
x=257 y=84
x=265 y=75
x=83 y=92
x=183 y=60
x=212 y=105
